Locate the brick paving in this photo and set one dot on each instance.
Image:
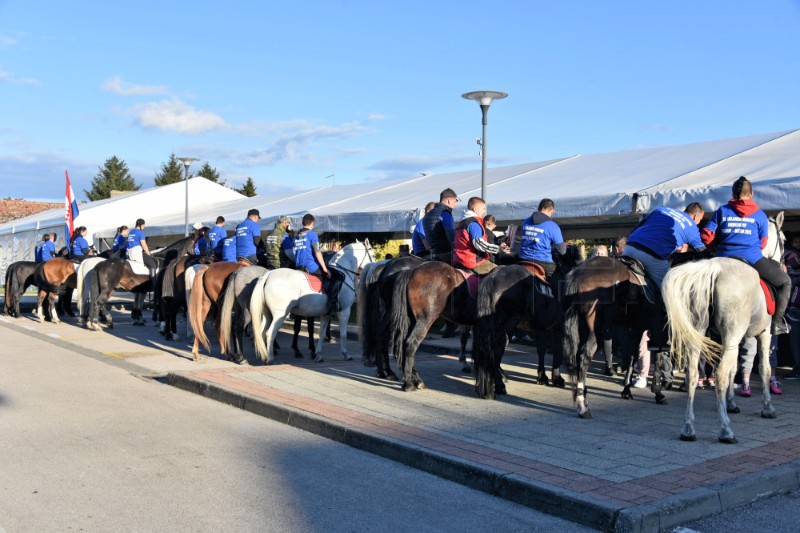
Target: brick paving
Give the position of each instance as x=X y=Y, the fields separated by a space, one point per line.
x=623 y=470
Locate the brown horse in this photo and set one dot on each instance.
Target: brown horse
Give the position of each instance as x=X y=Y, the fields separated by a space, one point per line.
x=172 y=294
x=108 y=276
x=49 y=276
x=603 y=289
x=421 y=295
x=19 y=276
x=207 y=291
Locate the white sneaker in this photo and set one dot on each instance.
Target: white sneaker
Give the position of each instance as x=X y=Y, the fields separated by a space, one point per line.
x=640 y=383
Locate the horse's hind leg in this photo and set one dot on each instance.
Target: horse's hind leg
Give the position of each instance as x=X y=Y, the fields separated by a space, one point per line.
x=688 y=432
x=764 y=341
x=411 y=379
x=658 y=376
x=298 y=325
x=728 y=360
x=324 y=321
x=40 y=306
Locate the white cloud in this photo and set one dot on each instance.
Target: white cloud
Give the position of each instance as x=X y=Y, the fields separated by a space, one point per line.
x=176 y=116
x=8 y=77
x=115 y=85
x=375 y=117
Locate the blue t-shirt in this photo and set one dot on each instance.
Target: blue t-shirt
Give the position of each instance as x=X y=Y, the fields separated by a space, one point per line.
x=120 y=243
x=739 y=236
x=44 y=250
x=417 y=246
x=135 y=236
x=245 y=233
x=664 y=230
x=303 y=248
x=537 y=240
x=78 y=245
x=201 y=246
x=229 y=249
x=216 y=236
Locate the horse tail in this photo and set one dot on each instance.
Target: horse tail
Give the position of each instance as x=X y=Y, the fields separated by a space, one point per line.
x=688 y=295
x=370 y=310
x=196 y=305
x=570 y=340
x=488 y=332
x=12 y=286
x=226 y=314
x=399 y=319
x=259 y=313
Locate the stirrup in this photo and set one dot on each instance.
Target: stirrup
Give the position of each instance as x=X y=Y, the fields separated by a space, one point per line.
x=780 y=326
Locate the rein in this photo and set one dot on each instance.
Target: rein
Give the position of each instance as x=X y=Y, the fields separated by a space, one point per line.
x=778 y=247
x=350 y=280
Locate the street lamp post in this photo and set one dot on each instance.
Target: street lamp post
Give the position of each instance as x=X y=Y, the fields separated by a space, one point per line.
x=187 y=161
x=484 y=99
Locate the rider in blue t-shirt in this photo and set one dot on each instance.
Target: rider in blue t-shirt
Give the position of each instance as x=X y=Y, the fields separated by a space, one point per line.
x=741 y=229
x=216 y=236
x=79 y=248
x=538 y=234
x=201 y=246
x=121 y=242
x=248 y=237
x=308 y=258
x=229 y=249
x=45 y=249
x=419 y=246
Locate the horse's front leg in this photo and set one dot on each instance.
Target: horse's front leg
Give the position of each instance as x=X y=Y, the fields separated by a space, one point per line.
x=657 y=378
x=764 y=342
x=462 y=355
x=323 y=324
x=580 y=387
x=558 y=358
x=344 y=318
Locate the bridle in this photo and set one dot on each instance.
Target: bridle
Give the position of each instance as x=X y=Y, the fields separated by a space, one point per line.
x=778 y=247
x=350 y=280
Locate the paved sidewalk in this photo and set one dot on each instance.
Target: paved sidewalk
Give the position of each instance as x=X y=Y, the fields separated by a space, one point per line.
x=624 y=470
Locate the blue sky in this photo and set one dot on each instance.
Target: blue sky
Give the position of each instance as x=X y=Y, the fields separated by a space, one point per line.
x=291 y=92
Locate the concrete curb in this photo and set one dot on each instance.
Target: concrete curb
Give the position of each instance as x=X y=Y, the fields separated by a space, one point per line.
x=660 y=515
x=553 y=500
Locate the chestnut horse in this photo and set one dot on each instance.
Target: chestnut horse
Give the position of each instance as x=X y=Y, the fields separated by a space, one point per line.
x=49 y=276
x=207 y=289
x=19 y=276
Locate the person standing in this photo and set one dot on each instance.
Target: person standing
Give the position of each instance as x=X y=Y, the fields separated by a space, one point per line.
x=419 y=245
x=274 y=241
x=248 y=237
x=216 y=236
x=539 y=233
x=741 y=229
x=439 y=227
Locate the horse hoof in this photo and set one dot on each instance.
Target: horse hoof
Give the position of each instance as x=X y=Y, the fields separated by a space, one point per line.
x=559 y=382
x=298 y=354
x=728 y=440
x=319 y=360
x=348 y=358
x=769 y=414
x=543 y=381
x=626 y=395
x=689 y=438
x=243 y=362
x=734 y=410
x=408 y=387
x=661 y=399
x=391 y=376
x=110 y=325
x=585 y=415
x=368 y=363
x=466 y=369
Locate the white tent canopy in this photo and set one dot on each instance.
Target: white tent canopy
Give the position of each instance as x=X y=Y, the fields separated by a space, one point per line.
x=19 y=237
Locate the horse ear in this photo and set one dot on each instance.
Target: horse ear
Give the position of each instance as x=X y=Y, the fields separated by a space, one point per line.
x=779 y=219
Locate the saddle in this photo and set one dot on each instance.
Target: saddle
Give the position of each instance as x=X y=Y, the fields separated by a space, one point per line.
x=769 y=290
x=139 y=268
x=243 y=261
x=637 y=269
x=535 y=269
x=473 y=280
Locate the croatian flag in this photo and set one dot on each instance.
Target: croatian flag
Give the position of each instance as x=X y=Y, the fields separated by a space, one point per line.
x=70 y=211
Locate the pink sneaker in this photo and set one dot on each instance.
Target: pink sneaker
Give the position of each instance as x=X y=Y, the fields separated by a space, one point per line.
x=775 y=387
x=745 y=391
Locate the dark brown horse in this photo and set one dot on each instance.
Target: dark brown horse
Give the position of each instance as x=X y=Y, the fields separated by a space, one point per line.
x=49 y=276
x=108 y=276
x=207 y=291
x=172 y=292
x=421 y=295
x=604 y=289
x=19 y=276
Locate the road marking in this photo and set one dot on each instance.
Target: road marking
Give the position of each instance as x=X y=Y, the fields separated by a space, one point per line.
x=54 y=335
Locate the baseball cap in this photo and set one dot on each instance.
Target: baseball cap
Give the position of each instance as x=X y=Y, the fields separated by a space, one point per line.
x=449 y=193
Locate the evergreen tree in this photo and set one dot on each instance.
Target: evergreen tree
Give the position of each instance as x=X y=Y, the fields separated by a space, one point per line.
x=171 y=172
x=248 y=189
x=210 y=173
x=112 y=176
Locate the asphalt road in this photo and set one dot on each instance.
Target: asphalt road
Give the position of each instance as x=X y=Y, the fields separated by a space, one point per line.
x=88 y=446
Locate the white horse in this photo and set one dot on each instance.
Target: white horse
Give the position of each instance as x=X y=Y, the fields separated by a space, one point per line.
x=283 y=291
x=720 y=296
x=82 y=296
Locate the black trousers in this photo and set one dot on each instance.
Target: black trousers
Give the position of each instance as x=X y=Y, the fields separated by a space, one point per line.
x=771 y=271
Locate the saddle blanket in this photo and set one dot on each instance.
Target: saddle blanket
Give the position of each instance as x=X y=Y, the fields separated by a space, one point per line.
x=139 y=268
x=314 y=282
x=769 y=295
x=472 y=280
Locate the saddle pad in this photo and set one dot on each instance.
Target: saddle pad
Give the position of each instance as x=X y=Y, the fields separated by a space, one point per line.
x=314 y=282
x=472 y=282
x=535 y=269
x=139 y=268
x=769 y=295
